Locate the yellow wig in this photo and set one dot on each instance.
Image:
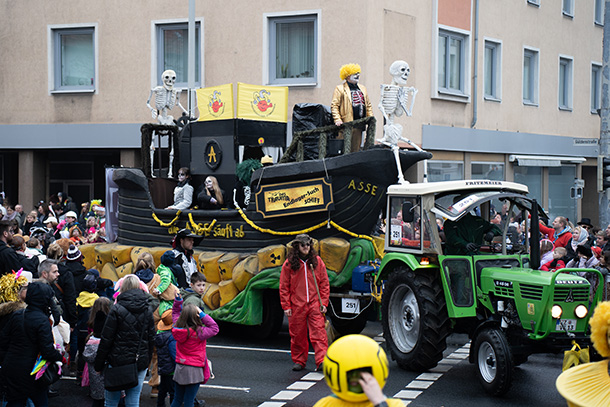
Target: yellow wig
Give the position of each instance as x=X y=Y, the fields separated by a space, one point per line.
x=600 y=322
x=348 y=70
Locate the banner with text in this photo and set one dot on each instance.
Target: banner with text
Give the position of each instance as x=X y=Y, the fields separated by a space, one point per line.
x=215 y=103
x=289 y=198
x=268 y=103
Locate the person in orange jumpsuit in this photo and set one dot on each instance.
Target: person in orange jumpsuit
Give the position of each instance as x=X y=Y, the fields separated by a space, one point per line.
x=304 y=295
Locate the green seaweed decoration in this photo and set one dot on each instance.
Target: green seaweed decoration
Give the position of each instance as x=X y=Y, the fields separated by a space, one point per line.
x=246 y=308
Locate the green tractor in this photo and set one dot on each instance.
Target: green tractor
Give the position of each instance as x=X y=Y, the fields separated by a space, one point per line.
x=508 y=308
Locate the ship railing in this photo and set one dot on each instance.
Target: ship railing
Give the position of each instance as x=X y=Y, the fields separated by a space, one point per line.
x=326 y=133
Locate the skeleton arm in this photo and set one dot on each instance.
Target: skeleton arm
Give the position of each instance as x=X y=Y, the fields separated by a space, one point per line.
x=153 y=111
x=380 y=106
x=178 y=101
x=403 y=98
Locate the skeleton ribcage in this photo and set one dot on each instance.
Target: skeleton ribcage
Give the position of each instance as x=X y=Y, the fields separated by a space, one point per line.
x=165 y=98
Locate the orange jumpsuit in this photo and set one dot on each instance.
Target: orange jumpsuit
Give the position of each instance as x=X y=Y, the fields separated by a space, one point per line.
x=298 y=293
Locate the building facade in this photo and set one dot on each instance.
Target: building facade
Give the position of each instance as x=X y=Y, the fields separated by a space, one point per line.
x=508 y=89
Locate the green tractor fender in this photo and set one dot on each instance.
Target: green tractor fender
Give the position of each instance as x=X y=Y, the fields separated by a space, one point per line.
x=393 y=260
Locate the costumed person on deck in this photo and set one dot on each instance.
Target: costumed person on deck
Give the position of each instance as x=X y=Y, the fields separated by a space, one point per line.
x=356 y=370
x=210 y=196
x=588 y=384
x=351 y=102
x=183 y=193
x=304 y=295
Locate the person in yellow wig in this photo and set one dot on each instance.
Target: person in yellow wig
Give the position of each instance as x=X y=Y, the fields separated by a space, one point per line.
x=588 y=385
x=351 y=102
x=356 y=377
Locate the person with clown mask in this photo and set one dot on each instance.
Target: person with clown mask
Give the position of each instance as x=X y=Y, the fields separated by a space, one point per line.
x=351 y=102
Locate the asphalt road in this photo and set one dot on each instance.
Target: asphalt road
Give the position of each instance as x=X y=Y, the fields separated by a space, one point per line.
x=258 y=373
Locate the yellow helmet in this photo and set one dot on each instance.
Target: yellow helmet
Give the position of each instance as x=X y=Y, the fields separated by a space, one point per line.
x=349 y=353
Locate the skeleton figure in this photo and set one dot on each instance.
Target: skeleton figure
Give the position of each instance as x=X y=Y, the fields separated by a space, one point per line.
x=166 y=98
x=395 y=100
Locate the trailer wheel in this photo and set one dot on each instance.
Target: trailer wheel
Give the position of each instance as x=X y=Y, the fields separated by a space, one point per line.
x=415 y=319
x=494 y=361
x=273 y=316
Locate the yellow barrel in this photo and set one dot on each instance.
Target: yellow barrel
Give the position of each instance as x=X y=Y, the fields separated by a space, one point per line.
x=208 y=265
x=244 y=271
x=121 y=254
x=211 y=295
x=103 y=255
x=88 y=251
x=135 y=253
x=334 y=251
x=271 y=256
x=124 y=270
x=226 y=264
x=109 y=272
x=228 y=291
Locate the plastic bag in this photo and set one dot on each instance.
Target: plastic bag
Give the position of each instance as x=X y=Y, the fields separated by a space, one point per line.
x=575 y=356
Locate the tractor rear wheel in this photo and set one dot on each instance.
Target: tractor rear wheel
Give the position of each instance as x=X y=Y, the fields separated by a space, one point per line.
x=415 y=319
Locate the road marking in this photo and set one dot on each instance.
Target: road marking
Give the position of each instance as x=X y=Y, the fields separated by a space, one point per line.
x=291 y=393
x=425 y=380
x=251 y=349
x=219 y=387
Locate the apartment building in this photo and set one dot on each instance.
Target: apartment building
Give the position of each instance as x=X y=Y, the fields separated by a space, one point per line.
x=508 y=89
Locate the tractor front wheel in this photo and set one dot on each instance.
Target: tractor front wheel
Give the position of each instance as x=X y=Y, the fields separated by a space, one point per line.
x=494 y=361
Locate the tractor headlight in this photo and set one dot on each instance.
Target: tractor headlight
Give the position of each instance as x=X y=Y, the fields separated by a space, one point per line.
x=556 y=311
x=581 y=311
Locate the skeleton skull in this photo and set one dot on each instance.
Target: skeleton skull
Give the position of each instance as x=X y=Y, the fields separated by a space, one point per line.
x=169 y=78
x=400 y=71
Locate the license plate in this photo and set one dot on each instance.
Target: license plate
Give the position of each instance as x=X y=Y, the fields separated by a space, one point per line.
x=563 y=324
x=350 y=306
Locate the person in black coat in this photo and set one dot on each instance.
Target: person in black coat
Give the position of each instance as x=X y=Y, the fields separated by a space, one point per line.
x=210 y=196
x=9 y=260
x=65 y=292
x=27 y=334
x=128 y=335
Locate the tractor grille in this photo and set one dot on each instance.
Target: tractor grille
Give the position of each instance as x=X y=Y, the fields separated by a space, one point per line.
x=578 y=294
x=505 y=291
x=531 y=292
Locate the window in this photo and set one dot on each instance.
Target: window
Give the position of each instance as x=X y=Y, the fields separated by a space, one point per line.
x=493 y=171
x=532 y=177
x=172 y=52
x=568 y=8
x=596 y=87
x=492 y=70
x=565 y=84
x=445 y=171
x=293 y=49
x=534 y=2
x=451 y=62
x=73 y=65
x=560 y=181
x=599 y=12
x=530 y=77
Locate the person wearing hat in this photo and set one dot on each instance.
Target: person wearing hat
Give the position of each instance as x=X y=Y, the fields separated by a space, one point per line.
x=356 y=378
x=26 y=336
x=351 y=102
x=166 y=354
x=304 y=296
x=52 y=230
x=183 y=245
x=67 y=223
x=84 y=302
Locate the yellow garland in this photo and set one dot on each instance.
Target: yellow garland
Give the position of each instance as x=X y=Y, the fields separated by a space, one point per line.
x=198 y=228
x=161 y=223
x=318 y=226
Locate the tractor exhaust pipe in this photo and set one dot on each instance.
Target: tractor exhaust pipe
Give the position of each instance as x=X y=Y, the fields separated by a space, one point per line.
x=534 y=237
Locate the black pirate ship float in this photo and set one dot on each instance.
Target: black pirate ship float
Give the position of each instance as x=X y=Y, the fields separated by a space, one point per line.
x=334 y=194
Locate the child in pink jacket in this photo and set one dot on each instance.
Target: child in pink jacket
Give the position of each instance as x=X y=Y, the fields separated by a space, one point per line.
x=192 y=327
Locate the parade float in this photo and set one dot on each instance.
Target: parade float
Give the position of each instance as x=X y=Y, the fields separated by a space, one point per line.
x=497 y=296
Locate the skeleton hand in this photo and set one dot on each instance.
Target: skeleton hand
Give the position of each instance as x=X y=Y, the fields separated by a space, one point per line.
x=154 y=113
